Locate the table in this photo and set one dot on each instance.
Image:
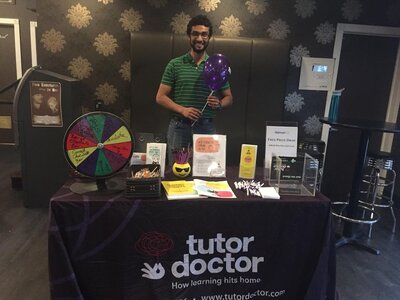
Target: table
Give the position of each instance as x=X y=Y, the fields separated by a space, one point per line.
x=350 y=234
x=110 y=247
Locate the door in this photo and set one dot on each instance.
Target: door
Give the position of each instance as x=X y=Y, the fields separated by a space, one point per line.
x=365 y=71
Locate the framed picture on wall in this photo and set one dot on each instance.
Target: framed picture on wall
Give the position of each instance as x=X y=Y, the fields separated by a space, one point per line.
x=7 y=1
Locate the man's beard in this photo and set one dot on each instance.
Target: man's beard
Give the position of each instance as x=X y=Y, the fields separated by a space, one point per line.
x=198 y=51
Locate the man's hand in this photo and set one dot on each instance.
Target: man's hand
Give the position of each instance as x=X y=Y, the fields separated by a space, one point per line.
x=213 y=102
x=191 y=113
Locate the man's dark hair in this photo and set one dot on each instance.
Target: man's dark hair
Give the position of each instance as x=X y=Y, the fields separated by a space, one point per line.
x=199 y=20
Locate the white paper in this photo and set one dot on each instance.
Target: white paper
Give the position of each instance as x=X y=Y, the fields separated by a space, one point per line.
x=209 y=155
x=280 y=141
x=269 y=193
x=138 y=158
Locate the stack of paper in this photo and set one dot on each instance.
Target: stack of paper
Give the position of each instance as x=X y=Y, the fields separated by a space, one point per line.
x=269 y=193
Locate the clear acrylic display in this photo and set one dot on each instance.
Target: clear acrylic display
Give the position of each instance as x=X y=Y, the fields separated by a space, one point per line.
x=293 y=176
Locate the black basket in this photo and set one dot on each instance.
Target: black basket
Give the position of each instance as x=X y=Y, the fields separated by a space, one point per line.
x=143 y=187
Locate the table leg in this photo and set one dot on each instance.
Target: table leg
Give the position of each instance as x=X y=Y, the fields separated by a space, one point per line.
x=350 y=236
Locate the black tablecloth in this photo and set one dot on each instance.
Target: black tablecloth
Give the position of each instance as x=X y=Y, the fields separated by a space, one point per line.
x=110 y=247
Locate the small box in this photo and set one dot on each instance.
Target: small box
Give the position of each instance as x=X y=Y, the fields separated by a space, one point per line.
x=144 y=181
x=297 y=181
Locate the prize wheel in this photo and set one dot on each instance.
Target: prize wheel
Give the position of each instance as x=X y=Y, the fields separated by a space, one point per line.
x=98 y=144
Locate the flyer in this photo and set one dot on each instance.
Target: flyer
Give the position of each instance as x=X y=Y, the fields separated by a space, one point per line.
x=209 y=155
x=215 y=189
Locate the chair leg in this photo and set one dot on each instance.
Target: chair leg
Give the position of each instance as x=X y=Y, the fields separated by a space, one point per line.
x=390 y=202
x=374 y=196
x=394 y=220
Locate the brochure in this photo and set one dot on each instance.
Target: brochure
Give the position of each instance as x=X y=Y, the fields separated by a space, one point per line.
x=215 y=189
x=180 y=189
x=155 y=154
x=248 y=158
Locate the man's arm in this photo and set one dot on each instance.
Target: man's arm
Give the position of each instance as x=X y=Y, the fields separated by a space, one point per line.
x=163 y=99
x=227 y=98
x=225 y=101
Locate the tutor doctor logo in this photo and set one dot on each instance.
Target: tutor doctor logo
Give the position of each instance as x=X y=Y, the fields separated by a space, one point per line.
x=215 y=255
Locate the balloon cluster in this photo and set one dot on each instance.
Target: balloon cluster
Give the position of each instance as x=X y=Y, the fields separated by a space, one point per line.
x=216 y=71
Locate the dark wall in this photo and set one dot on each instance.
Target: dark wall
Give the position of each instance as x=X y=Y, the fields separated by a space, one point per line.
x=90 y=39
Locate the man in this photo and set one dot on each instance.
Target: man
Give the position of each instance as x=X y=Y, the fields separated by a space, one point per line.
x=184 y=92
x=37 y=102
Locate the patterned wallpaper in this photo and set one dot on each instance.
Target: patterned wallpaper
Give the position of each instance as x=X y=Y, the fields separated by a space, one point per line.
x=89 y=39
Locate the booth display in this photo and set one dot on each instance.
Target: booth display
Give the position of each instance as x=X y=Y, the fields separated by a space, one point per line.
x=109 y=247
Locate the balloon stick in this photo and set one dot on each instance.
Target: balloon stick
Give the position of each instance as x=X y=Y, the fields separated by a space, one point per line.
x=204 y=107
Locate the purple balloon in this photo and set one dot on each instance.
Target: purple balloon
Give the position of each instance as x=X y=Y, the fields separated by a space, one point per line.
x=216 y=71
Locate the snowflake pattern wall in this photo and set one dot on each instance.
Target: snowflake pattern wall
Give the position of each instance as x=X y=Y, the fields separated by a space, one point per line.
x=125 y=70
x=105 y=44
x=325 y=33
x=294 y=102
x=106 y=93
x=278 y=30
x=297 y=53
x=106 y=1
x=89 y=40
x=53 y=40
x=131 y=20
x=179 y=22
x=79 y=16
x=208 y=5
x=312 y=126
x=351 y=10
x=231 y=26
x=305 y=8
x=80 y=68
x=257 y=7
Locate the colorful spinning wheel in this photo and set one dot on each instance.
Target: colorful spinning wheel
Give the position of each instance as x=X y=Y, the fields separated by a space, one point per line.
x=98 y=144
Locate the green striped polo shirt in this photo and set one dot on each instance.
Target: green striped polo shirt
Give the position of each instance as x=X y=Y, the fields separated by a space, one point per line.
x=188 y=86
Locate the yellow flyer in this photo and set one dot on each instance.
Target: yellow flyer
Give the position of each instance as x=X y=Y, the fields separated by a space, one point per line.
x=248 y=158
